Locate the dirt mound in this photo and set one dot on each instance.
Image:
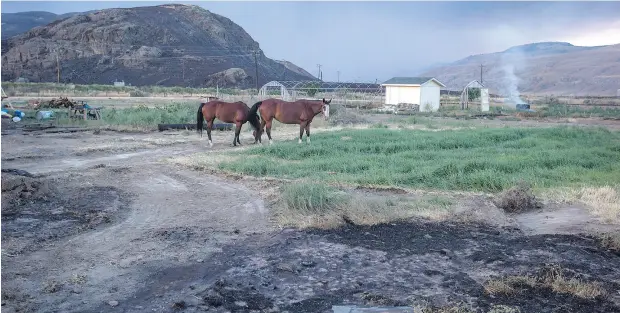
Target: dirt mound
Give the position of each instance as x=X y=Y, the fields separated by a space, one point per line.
x=518 y=199
x=17 y=189
x=37 y=209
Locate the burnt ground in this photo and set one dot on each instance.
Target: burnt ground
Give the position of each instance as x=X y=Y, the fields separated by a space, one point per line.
x=431 y=264
x=118 y=230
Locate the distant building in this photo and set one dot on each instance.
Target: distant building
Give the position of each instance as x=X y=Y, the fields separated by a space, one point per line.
x=119 y=84
x=422 y=91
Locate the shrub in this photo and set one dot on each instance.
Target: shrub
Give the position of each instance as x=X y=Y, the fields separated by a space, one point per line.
x=518 y=199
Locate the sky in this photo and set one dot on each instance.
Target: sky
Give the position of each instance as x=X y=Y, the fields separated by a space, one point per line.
x=368 y=41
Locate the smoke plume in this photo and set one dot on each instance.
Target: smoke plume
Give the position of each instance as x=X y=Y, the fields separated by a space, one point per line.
x=511 y=61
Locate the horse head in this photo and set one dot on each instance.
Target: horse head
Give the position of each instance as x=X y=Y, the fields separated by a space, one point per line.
x=325 y=108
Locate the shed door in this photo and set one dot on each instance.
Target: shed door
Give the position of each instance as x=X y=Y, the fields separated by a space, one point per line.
x=484 y=99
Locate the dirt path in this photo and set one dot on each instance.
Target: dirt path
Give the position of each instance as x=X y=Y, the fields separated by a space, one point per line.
x=159 y=216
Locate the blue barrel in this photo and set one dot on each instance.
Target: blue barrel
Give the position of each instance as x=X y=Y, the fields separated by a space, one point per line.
x=43 y=115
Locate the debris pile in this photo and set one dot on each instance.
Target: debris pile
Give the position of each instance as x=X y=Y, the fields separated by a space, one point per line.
x=18 y=186
x=60 y=103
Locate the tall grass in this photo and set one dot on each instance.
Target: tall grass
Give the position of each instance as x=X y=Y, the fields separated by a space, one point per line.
x=478 y=159
x=142 y=116
x=312 y=198
x=562 y=110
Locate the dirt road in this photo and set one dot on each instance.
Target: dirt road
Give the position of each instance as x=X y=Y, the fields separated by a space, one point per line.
x=107 y=225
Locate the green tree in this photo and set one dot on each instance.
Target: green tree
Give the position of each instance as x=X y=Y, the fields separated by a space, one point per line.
x=473 y=93
x=312 y=88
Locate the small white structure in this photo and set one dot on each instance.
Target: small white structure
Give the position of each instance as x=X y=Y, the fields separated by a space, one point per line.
x=483 y=96
x=119 y=84
x=422 y=91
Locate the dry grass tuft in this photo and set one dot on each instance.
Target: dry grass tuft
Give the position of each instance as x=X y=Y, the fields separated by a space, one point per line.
x=449 y=309
x=555 y=279
x=508 y=285
x=498 y=287
x=311 y=205
x=552 y=278
x=518 y=199
x=611 y=241
x=603 y=202
x=504 y=309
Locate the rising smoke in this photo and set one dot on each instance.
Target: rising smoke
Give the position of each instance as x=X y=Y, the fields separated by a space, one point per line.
x=511 y=61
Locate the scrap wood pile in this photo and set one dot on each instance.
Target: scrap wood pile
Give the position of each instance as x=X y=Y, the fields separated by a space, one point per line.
x=59 y=103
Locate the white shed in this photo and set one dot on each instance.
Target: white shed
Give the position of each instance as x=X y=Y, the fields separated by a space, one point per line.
x=423 y=91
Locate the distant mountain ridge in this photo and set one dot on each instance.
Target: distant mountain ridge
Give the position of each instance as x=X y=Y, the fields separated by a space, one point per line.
x=21 y=22
x=169 y=45
x=539 y=68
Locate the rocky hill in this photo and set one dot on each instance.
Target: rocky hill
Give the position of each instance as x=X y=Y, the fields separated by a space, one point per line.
x=168 y=45
x=540 y=68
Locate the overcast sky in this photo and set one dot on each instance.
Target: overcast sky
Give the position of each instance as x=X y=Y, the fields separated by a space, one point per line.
x=377 y=40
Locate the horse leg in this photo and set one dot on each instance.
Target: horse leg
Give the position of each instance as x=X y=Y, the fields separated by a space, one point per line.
x=209 y=126
x=302 y=126
x=268 y=129
x=237 y=132
x=308 y=133
x=258 y=133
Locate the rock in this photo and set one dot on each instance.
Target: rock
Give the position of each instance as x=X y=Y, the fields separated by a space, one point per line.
x=179 y=305
x=241 y=303
x=308 y=263
x=427 y=236
x=284 y=267
x=113 y=303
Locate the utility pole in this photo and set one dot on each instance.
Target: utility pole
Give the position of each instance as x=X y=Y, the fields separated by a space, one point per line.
x=183 y=68
x=319 y=66
x=481 y=66
x=338 y=76
x=57 y=68
x=256 y=67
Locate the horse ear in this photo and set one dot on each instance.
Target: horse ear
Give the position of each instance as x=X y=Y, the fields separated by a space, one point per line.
x=328 y=102
x=323 y=100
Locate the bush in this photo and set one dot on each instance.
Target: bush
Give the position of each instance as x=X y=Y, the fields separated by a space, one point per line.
x=518 y=199
x=339 y=115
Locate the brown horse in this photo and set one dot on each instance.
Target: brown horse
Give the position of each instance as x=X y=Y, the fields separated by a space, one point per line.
x=227 y=112
x=298 y=112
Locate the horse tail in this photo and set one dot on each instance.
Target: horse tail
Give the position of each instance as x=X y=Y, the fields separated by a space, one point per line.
x=199 y=119
x=253 y=115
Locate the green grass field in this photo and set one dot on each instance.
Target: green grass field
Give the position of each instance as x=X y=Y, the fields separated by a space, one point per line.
x=473 y=160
